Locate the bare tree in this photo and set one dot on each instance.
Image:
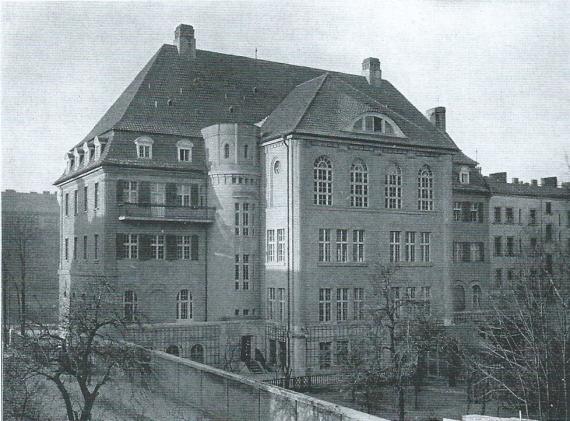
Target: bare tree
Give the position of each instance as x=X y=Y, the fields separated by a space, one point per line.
x=523 y=355
x=86 y=353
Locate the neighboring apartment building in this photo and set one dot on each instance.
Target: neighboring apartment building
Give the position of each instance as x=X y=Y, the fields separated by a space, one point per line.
x=244 y=205
x=30 y=255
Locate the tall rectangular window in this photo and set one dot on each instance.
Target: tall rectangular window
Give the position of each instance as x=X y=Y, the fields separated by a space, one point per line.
x=75 y=199
x=358 y=245
x=342 y=304
x=237 y=271
x=131 y=193
x=66 y=204
x=509 y=216
x=510 y=246
x=96 y=247
x=270 y=303
x=325 y=355
x=183 y=247
x=280 y=245
x=84 y=247
x=548 y=232
x=96 y=196
x=85 y=198
x=324 y=305
x=281 y=303
x=457 y=211
x=426 y=297
x=476 y=252
x=74 y=248
x=358 y=303
x=410 y=246
x=341 y=245
x=245 y=271
x=131 y=246
x=183 y=194
x=474 y=214
x=394 y=246
x=498 y=246
x=548 y=206
x=270 y=245
x=245 y=219
x=425 y=238
x=66 y=251
x=242 y=221
x=324 y=245
x=397 y=304
x=498 y=278
x=157 y=247
x=532 y=217
x=497 y=215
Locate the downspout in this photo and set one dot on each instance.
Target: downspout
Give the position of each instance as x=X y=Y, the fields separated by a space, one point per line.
x=206 y=259
x=286 y=143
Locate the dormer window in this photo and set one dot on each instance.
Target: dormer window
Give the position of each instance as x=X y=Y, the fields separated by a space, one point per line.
x=86 y=154
x=144 y=147
x=76 y=159
x=185 y=150
x=97 y=153
x=377 y=124
x=68 y=163
x=464 y=175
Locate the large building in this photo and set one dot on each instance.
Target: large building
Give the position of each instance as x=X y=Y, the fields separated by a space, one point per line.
x=241 y=206
x=30 y=255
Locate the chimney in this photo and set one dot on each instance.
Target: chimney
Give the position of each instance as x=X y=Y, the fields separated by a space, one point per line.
x=533 y=182
x=549 y=182
x=371 y=71
x=499 y=177
x=185 y=41
x=515 y=180
x=437 y=117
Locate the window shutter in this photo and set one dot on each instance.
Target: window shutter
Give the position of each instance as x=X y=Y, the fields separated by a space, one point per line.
x=194 y=195
x=481 y=208
x=144 y=192
x=171 y=247
x=145 y=249
x=465 y=208
x=119 y=246
x=120 y=189
x=194 y=251
x=170 y=194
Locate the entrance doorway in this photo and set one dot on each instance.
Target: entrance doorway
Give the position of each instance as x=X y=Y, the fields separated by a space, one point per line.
x=246 y=348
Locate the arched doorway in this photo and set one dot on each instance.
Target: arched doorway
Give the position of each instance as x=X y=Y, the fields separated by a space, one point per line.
x=173 y=350
x=197 y=353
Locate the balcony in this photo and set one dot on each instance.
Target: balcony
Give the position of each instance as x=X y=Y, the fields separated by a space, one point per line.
x=164 y=213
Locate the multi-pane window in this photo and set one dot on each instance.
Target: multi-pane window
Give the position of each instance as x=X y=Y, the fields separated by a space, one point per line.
x=425 y=254
x=342 y=304
x=237 y=218
x=241 y=271
x=325 y=355
x=85 y=198
x=410 y=246
x=548 y=206
x=426 y=297
x=498 y=278
x=395 y=246
x=144 y=151
x=96 y=196
x=548 y=232
x=237 y=271
x=183 y=194
x=509 y=216
x=66 y=204
x=270 y=303
x=476 y=296
x=131 y=246
x=498 y=246
x=66 y=251
x=324 y=245
x=474 y=213
x=130 y=192
x=341 y=245
x=130 y=306
x=184 y=150
x=245 y=271
x=425 y=189
x=359 y=185
x=393 y=188
x=510 y=246
x=183 y=305
x=270 y=255
x=280 y=245
x=157 y=247
x=324 y=305
x=281 y=304
x=96 y=246
x=358 y=245
x=183 y=247
x=532 y=217
x=322 y=181
x=358 y=303
x=226 y=151
x=341 y=352
x=497 y=215
x=84 y=247
x=475 y=251
x=467 y=252
x=395 y=295
x=75 y=199
x=74 y=248
x=243 y=218
x=457 y=211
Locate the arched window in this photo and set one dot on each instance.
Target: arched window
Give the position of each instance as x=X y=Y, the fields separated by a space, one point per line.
x=144 y=147
x=226 y=151
x=458 y=298
x=173 y=350
x=245 y=151
x=393 y=188
x=197 y=353
x=323 y=181
x=359 y=185
x=130 y=306
x=476 y=296
x=425 y=189
x=377 y=124
x=183 y=305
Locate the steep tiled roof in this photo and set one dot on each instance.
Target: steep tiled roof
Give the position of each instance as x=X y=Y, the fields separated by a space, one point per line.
x=509 y=189
x=476 y=184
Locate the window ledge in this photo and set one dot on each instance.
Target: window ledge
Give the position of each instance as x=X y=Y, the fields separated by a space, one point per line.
x=343 y=264
x=415 y=264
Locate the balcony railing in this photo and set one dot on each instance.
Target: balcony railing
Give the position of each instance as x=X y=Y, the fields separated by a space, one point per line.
x=164 y=213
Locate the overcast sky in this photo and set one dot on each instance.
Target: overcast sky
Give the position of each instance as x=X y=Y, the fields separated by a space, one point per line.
x=502 y=69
